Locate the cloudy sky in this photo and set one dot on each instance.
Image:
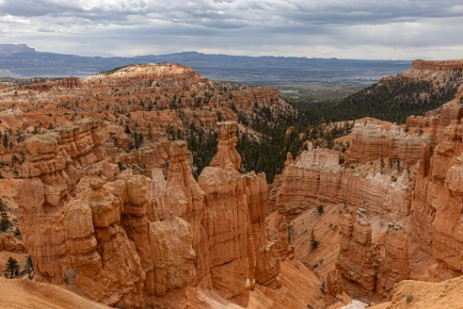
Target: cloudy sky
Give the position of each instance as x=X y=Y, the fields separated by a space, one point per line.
x=361 y=29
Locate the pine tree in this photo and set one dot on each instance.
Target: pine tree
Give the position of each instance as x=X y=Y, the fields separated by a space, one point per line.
x=12 y=266
x=313 y=241
x=4 y=220
x=29 y=267
x=5 y=141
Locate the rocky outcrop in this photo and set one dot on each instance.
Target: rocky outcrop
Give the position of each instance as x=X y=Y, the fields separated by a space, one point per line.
x=127 y=240
x=316 y=177
x=100 y=250
x=395 y=265
x=50 y=176
x=334 y=286
x=240 y=253
x=437 y=70
x=357 y=261
x=279 y=233
x=423 y=192
x=371 y=141
x=141 y=104
x=179 y=193
x=435 y=122
x=173 y=254
x=229 y=233
x=227 y=157
x=437 y=199
x=79 y=230
x=11 y=244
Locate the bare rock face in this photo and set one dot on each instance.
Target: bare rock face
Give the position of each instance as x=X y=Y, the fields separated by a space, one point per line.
x=173 y=254
x=435 y=123
x=101 y=252
x=84 y=225
x=240 y=253
x=334 y=286
x=279 y=233
x=267 y=265
x=437 y=69
x=395 y=266
x=437 y=199
x=50 y=175
x=227 y=156
x=229 y=232
x=11 y=244
x=278 y=223
x=315 y=175
x=423 y=192
x=398 y=200
x=145 y=159
x=127 y=240
x=356 y=260
x=372 y=141
x=181 y=195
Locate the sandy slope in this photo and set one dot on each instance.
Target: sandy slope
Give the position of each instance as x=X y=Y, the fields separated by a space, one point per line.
x=24 y=294
x=416 y=294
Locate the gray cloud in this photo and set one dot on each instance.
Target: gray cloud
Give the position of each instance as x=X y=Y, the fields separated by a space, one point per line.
x=330 y=28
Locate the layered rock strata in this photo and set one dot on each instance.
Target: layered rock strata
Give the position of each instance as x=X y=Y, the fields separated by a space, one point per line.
x=357 y=261
x=317 y=177
x=437 y=199
x=128 y=240
x=423 y=192
x=240 y=254
x=395 y=265
x=371 y=141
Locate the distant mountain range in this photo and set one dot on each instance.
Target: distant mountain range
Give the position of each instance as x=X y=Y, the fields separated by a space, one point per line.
x=23 y=61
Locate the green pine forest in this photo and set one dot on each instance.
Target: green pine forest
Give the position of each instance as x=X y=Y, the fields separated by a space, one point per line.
x=393 y=100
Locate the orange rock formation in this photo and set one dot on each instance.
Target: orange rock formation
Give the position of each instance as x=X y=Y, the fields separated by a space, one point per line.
x=146 y=233
x=129 y=240
x=399 y=194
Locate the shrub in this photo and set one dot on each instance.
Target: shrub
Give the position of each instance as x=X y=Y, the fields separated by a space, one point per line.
x=320 y=210
x=314 y=243
x=409 y=298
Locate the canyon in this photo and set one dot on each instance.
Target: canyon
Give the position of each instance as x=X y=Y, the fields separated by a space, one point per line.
x=393 y=205
x=108 y=206
x=128 y=240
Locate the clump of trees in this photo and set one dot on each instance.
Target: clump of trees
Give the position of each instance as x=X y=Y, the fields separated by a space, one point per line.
x=393 y=100
x=203 y=146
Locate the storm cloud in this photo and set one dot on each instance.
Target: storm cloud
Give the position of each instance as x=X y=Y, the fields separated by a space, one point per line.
x=362 y=29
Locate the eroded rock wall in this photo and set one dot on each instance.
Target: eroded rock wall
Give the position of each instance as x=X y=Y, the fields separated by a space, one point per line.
x=422 y=192
x=240 y=253
x=128 y=240
x=316 y=177
x=395 y=265
x=371 y=140
x=357 y=261
x=436 y=203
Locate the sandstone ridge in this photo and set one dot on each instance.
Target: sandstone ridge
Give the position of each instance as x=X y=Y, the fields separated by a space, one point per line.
x=129 y=240
x=387 y=212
